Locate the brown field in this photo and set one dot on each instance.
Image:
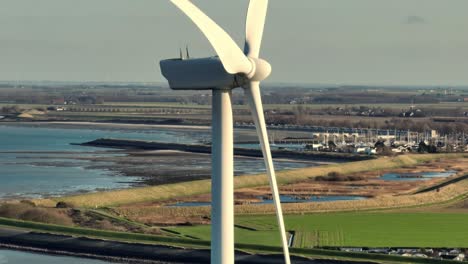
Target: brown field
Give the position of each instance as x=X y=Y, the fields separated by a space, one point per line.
x=383 y=195
x=159 y=215
x=187 y=189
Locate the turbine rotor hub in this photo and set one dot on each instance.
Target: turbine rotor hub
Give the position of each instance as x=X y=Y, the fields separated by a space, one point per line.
x=261 y=69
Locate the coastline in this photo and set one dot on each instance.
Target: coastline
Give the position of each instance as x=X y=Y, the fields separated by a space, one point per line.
x=206 y=149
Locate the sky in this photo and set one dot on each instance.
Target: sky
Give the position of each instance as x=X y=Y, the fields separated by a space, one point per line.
x=375 y=42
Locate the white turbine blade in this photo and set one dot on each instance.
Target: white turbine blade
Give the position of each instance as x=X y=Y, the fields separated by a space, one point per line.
x=232 y=57
x=255 y=24
x=255 y=102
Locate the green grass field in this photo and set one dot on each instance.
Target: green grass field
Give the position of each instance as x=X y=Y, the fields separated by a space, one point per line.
x=195 y=243
x=351 y=229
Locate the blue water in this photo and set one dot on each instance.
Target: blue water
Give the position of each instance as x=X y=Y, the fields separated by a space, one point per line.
x=423 y=176
x=18 y=178
x=42 y=137
x=190 y=204
x=19 y=257
x=284 y=199
x=55 y=170
x=331 y=198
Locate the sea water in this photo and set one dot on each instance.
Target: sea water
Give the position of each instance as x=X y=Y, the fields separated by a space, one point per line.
x=421 y=176
x=40 y=160
x=283 y=199
x=20 y=177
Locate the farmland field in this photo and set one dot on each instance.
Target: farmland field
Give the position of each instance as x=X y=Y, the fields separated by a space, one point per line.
x=351 y=229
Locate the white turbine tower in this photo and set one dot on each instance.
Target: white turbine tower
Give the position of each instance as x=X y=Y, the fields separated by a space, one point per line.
x=232 y=68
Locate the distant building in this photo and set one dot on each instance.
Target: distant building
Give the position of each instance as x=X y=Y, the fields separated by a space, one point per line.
x=58 y=101
x=460 y=257
x=420 y=255
x=413 y=113
x=315 y=146
x=360 y=150
x=351 y=249
x=400 y=149
x=365 y=150
x=56 y=108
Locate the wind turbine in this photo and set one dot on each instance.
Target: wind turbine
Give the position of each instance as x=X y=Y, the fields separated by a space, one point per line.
x=232 y=68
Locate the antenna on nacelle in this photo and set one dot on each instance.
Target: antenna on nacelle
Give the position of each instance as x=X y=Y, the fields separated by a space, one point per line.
x=187 y=50
x=181 y=54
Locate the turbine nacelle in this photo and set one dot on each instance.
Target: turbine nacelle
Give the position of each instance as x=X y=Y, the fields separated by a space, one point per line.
x=210 y=74
x=200 y=74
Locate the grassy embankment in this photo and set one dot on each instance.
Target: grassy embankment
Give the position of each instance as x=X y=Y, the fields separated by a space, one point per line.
x=250 y=247
x=171 y=191
x=99 y=233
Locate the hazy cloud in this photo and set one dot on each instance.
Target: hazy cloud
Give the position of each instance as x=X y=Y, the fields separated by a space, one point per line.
x=359 y=41
x=412 y=20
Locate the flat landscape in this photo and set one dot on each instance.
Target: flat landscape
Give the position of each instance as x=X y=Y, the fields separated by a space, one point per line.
x=400 y=218
x=391 y=200
x=222 y=132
